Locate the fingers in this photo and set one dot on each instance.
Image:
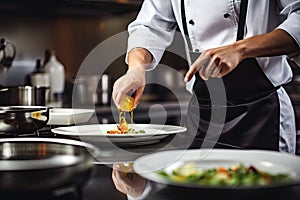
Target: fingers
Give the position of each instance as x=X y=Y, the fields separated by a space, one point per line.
x=119 y=91
x=212 y=69
x=225 y=70
x=117 y=96
x=138 y=95
x=196 y=66
x=205 y=66
x=192 y=71
x=133 y=80
x=121 y=181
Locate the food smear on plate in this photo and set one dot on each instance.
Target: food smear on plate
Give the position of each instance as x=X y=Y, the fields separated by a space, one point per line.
x=234 y=176
x=123 y=127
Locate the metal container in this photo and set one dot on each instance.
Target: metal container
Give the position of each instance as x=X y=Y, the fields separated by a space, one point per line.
x=16 y=120
x=92 y=89
x=24 y=96
x=44 y=164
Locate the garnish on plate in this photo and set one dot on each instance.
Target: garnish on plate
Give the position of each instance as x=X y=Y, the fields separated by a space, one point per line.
x=123 y=127
x=234 y=176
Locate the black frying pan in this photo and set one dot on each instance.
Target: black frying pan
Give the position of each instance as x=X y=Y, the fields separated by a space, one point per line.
x=44 y=164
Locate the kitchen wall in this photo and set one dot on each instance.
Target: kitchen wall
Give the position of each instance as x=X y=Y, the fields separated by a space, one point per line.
x=73 y=32
x=71 y=37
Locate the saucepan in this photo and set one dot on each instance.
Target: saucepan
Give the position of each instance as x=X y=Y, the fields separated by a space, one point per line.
x=44 y=164
x=24 y=95
x=22 y=119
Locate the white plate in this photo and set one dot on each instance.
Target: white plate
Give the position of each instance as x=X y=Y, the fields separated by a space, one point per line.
x=69 y=116
x=270 y=161
x=97 y=133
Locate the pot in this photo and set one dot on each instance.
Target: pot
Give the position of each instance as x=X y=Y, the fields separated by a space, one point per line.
x=44 y=164
x=23 y=119
x=92 y=90
x=24 y=96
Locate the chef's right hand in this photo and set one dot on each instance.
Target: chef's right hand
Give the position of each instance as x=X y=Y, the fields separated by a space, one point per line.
x=133 y=81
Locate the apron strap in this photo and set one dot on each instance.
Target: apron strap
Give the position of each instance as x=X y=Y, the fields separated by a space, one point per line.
x=186 y=33
x=242 y=20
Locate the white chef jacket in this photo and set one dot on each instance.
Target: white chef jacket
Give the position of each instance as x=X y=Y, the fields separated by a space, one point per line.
x=212 y=24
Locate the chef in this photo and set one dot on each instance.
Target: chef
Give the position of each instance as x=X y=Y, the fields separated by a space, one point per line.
x=247 y=45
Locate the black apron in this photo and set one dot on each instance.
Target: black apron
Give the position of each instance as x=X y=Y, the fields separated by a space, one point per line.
x=250 y=116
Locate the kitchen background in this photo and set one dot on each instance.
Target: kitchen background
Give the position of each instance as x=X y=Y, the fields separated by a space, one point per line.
x=73 y=28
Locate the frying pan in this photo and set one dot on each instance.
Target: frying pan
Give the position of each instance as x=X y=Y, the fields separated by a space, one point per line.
x=22 y=119
x=44 y=164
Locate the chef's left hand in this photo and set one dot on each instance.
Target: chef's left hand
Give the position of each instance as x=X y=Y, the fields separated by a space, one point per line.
x=216 y=62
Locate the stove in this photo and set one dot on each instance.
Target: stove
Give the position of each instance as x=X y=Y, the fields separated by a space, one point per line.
x=66 y=194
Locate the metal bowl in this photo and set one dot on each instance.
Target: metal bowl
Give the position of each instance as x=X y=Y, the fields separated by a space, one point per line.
x=23 y=119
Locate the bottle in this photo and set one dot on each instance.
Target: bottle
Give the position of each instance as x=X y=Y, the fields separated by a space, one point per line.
x=38 y=77
x=56 y=71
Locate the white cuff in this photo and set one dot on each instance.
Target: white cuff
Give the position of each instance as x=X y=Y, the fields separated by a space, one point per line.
x=147 y=190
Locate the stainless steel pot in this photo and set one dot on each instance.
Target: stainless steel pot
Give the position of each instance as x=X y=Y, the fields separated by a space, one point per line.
x=24 y=96
x=22 y=119
x=44 y=164
x=92 y=90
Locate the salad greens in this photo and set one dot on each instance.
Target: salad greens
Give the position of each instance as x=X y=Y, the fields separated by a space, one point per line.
x=134 y=131
x=239 y=175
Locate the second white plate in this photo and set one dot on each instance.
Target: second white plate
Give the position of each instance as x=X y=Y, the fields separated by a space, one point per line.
x=269 y=161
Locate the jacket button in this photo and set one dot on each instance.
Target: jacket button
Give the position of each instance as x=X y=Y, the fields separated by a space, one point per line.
x=226 y=15
x=191 y=22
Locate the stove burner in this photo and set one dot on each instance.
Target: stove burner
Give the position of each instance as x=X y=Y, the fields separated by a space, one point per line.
x=65 y=193
x=38 y=133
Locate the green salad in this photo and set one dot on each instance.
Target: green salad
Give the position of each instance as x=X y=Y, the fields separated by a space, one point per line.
x=239 y=175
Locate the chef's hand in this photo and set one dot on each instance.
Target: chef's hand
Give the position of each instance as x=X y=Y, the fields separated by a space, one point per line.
x=134 y=80
x=220 y=61
x=216 y=62
x=128 y=182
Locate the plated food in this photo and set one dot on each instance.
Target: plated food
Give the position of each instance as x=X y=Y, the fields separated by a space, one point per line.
x=123 y=127
x=218 y=169
x=97 y=133
x=233 y=176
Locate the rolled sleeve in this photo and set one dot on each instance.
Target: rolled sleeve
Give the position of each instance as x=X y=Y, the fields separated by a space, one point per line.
x=291 y=25
x=150 y=188
x=153 y=29
x=146 y=192
x=154 y=42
